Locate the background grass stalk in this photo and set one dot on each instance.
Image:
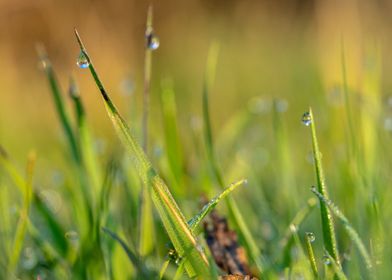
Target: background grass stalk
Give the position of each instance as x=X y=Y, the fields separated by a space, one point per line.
x=146 y=220
x=234 y=211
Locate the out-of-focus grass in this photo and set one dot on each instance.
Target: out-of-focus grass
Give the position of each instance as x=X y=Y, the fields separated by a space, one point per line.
x=84 y=181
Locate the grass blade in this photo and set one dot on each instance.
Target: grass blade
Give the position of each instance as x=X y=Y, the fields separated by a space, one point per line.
x=59 y=102
x=144 y=272
x=326 y=217
x=170 y=214
x=336 y=268
x=24 y=216
x=85 y=140
x=195 y=221
x=309 y=238
x=354 y=236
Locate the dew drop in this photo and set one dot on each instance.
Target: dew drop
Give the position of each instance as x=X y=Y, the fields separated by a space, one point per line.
x=306 y=119
x=326 y=260
x=311 y=237
x=152 y=41
x=82 y=61
x=72 y=236
x=29 y=258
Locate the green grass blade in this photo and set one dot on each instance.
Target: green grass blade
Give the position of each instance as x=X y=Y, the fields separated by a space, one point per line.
x=146 y=217
x=326 y=217
x=170 y=214
x=236 y=215
x=59 y=102
x=24 y=216
x=195 y=221
x=85 y=140
x=172 y=141
x=309 y=238
x=288 y=240
x=135 y=260
x=335 y=267
x=354 y=236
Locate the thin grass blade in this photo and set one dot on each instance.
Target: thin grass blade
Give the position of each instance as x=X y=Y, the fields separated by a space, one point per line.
x=326 y=217
x=24 y=215
x=195 y=221
x=352 y=233
x=236 y=215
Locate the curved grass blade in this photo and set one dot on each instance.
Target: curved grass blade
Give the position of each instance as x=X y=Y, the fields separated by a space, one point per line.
x=236 y=215
x=170 y=214
x=195 y=221
x=326 y=217
x=288 y=239
x=354 y=236
x=135 y=260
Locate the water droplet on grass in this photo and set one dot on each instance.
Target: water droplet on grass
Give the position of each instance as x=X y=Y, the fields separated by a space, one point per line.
x=29 y=258
x=72 y=236
x=326 y=260
x=311 y=236
x=152 y=41
x=306 y=119
x=82 y=61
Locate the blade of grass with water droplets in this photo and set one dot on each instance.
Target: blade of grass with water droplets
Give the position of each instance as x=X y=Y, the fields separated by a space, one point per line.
x=309 y=238
x=354 y=236
x=146 y=218
x=336 y=268
x=195 y=221
x=326 y=217
x=170 y=214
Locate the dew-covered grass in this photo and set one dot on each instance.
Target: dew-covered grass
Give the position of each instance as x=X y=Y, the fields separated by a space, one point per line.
x=306 y=190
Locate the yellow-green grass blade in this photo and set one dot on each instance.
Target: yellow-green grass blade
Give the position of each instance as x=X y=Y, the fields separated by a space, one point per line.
x=337 y=269
x=170 y=214
x=309 y=238
x=326 y=217
x=352 y=233
x=24 y=216
x=195 y=221
x=297 y=221
x=56 y=230
x=84 y=138
x=146 y=217
x=172 y=141
x=236 y=215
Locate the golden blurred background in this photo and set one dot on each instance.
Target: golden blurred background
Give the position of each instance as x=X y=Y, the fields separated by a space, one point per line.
x=273 y=49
